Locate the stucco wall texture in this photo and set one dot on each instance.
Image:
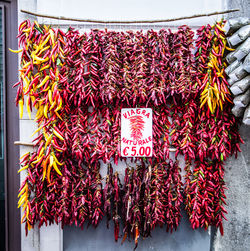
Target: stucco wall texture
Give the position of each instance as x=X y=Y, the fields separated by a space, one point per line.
x=237 y=177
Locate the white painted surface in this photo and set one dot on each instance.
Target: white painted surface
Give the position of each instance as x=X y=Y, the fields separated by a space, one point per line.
x=131 y=9
x=51 y=238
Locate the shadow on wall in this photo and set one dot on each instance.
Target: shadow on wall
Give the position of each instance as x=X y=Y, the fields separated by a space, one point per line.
x=237 y=178
x=102 y=239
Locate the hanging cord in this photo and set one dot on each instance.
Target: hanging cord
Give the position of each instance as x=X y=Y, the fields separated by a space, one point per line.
x=128 y=22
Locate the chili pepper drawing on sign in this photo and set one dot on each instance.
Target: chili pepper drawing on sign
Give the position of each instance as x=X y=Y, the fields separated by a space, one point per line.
x=136 y=132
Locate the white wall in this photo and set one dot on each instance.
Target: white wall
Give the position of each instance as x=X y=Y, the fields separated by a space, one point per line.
x=132 y=9
x=128 y=9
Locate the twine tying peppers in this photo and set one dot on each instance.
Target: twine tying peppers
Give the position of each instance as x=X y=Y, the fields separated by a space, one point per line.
x=79 y=82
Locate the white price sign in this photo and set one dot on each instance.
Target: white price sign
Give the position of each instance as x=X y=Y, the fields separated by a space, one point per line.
x=136 y=132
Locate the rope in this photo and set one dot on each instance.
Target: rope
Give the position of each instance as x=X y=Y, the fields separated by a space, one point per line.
x=127 y=22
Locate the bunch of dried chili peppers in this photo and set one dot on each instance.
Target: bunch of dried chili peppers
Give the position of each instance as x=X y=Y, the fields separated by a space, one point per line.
x=78 y=84
x=215 y=133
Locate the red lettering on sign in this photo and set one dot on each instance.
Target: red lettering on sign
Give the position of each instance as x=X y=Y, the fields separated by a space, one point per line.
x=137 y=111
x=125 y=153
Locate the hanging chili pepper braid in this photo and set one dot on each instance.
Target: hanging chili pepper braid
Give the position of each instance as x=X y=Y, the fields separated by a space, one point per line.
x=86 y=202
x=161 y=125
x=173 y=195
x=184 y=106
x=216 y=133
x=154 y=77
x=93 y=53
x=117 y=194
x=141 y=69
x=107 y=193
x=106 y=138
x=183 y=79
x=159 y=189
x=147 y=202
x=218 y=139
x=41 y=59
x=127 y=200
x=115 y=146
x=211 y=47
x=132 y=203
x=111 y=66
x=206 y=195
x=127 y=64
x=157 y=196
x=183 y=128
x=96 y=213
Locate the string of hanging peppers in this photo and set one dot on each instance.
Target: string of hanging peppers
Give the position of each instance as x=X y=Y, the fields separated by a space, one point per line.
x=211 y=46
x=78 y=84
